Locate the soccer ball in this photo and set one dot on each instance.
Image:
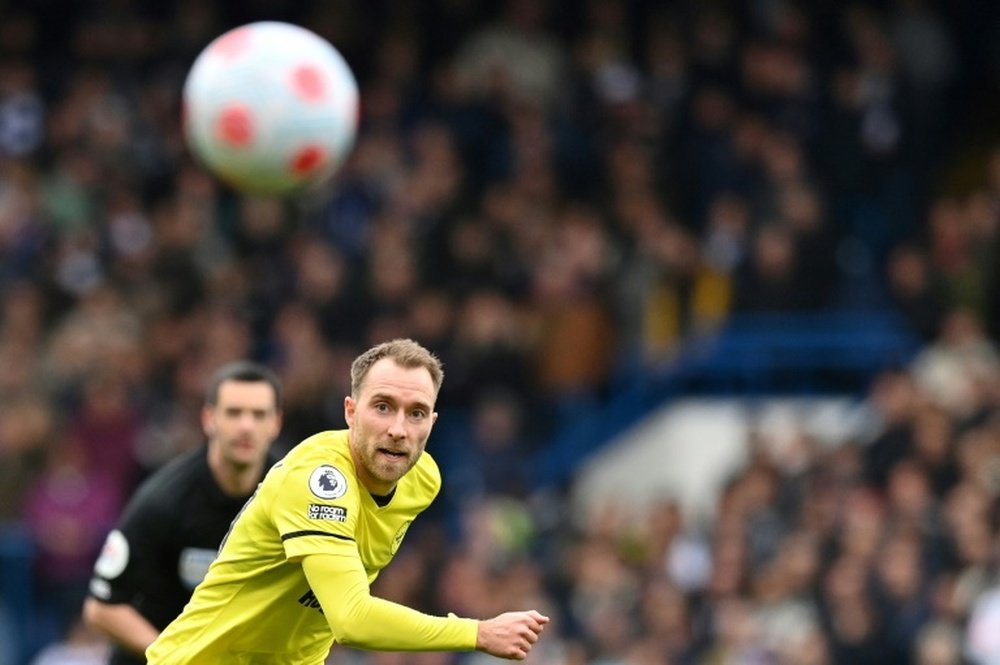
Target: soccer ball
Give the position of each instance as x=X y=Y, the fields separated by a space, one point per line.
x=271 y=108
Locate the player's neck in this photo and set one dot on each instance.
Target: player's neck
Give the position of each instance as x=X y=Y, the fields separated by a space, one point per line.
x=233 y=480
x=374 y=487
x=237 y=482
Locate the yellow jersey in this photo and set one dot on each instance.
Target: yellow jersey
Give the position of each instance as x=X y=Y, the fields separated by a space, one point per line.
x=255 y=604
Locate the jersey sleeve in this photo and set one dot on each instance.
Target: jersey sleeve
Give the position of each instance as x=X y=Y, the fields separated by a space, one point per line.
x=360 y=620
x=129 y=554
x=315 y=510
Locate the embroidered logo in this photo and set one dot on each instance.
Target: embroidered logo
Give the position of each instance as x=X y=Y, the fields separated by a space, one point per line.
x=397 y=540
x=328 y=482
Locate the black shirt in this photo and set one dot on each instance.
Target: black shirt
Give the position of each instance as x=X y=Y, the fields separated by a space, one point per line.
x=166 y=538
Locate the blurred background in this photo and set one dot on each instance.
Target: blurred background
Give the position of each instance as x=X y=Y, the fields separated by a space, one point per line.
x=715 y=285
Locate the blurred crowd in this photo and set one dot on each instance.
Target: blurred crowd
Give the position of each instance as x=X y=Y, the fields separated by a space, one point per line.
x=550 y=195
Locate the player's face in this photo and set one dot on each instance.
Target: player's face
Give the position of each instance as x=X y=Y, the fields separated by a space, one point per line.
x=390 y=422
x=243 y=422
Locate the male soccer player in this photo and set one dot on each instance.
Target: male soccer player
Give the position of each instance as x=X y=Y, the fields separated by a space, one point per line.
x=293 y=574
x=171 y=529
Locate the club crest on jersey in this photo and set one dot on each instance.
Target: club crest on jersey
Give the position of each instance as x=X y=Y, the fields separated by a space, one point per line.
x=397 y=540
x=328 y=482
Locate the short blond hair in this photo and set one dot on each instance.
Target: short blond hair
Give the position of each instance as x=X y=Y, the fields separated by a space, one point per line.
x=405 y=353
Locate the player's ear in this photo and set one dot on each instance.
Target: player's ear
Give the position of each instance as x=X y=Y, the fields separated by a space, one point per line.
x=207 y=422
x=350 y=408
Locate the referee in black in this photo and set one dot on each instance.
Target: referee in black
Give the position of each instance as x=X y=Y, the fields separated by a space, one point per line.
x=171 y=528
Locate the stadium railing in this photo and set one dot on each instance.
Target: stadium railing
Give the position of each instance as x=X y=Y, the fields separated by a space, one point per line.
x=824 y=353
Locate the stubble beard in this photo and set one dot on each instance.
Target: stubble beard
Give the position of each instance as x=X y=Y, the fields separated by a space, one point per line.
x=382 y=470
x=386 y=471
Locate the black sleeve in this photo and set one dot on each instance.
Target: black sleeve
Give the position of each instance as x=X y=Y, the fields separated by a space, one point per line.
x=131 y=552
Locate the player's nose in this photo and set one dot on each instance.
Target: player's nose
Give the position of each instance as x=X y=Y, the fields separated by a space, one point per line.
x=397 y=427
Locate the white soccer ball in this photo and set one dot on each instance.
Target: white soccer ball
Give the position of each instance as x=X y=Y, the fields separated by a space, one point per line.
x=270 y=108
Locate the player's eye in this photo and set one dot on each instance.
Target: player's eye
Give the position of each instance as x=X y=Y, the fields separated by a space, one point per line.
x=382 y=407
x=418 y=414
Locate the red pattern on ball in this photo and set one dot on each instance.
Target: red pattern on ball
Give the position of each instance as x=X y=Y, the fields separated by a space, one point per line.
x=307 y=82
x=308 y=159
x=233 y=43
x=235 y=125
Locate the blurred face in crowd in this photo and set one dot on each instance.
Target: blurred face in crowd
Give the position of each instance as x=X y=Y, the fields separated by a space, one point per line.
x=242 y=423
x=390 y=420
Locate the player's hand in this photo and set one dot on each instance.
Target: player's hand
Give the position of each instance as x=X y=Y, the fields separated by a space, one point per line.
x=511 y=634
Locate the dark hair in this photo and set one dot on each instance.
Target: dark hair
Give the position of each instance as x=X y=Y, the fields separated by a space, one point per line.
x=243 y=371
x=405 y=352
